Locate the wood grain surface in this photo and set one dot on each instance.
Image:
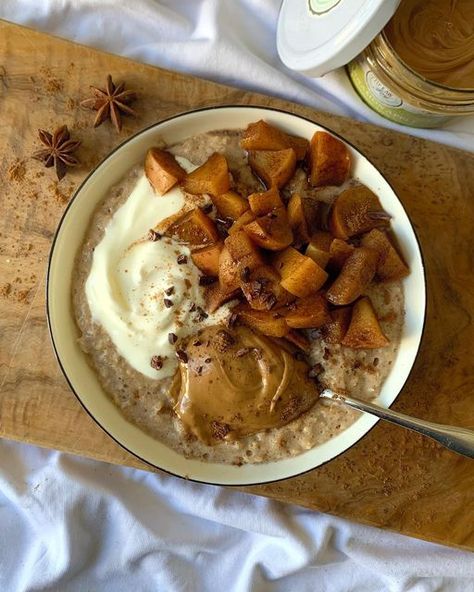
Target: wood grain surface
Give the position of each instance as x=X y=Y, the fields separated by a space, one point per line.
x=392 y=478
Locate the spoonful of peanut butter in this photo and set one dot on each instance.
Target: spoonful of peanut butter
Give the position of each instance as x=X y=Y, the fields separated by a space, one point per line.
x=436 y=39
x=233 y=382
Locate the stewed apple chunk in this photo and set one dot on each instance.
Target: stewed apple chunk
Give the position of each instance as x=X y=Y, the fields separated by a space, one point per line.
x=241 y=221
x=212 y=177
x=162 y=170
x=339 y=252
x=262 y=288
x=230 y=205
x=356 y=274
x=300 y=275
x=244 y=251
x=207 y=258
x=229 y=277
x=364 y=330
x=215 y=296
x=298 y=219
x=318 y=248
x=329 y=160
x=391 y=266
x=335 y=329
x=271 y=231
x=310 y=312
x=270 y=323
x=262 y=136
x=355 y=211
x=265 y=202
x=297 y=338
x=194 y=228
x=274 y=167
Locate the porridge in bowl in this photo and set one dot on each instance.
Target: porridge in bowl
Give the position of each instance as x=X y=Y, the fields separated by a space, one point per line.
x=223 y=283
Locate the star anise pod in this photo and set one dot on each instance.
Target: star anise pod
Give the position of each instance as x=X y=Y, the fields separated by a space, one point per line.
x=110 y=103
x=59 y=150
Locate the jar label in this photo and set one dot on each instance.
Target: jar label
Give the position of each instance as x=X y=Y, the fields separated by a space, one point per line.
x=385 y=102
x=321 y=6
x=381 y=92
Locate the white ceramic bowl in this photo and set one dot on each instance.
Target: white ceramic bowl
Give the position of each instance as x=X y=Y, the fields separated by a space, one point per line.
x=64 y=332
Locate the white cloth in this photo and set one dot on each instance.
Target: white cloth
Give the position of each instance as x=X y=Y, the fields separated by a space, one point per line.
x=72 y=524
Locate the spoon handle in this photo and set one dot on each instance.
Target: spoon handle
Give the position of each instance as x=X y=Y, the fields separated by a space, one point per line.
x=460 y=440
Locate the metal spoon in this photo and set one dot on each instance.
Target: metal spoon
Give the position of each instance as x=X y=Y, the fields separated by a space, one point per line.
x=460 y=440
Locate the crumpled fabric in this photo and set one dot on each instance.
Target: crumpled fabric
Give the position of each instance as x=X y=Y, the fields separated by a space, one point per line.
x=70 y=524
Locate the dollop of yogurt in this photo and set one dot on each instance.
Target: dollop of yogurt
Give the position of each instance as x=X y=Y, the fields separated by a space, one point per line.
x=136 y=289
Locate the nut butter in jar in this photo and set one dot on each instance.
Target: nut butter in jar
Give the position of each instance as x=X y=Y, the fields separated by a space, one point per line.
x=420 y=70
x=411 y=61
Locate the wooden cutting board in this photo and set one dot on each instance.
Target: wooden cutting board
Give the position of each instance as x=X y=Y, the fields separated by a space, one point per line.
x=393 y=478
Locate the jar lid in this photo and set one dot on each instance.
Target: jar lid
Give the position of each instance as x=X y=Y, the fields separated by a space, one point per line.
x=317 y=36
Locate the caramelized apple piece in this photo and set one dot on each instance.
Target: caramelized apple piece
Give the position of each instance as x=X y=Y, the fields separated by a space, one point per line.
x=207 y=259
x=163 y=170
x=246 y=217
x=312 y=209
x=265 y=202
x=356 y=274
x=322 y=240
x=274 y=167
x=391 y=266
x=329 y=160
x=300 y=275
x=262 y=136
x=355 y=211
x=364 y=330
x=272 y=231
x=318 y=248
x=339 y=252
x=269 y=323
x=308 y=313
x=194 y=228
x=336 y=328
x=244 y=251
x=262 y=288
x=299 y=145
x=297 y=338
x=212 y=177
x=297 y=219
x=229 y=278
x=215 y=296
x=230 y=205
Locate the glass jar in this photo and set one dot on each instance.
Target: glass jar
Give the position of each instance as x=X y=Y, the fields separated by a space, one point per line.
x=397 y=92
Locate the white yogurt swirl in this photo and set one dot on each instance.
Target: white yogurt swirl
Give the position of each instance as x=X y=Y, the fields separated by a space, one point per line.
x=129 y=275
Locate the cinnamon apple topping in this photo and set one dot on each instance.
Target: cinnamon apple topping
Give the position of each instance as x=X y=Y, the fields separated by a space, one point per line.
x=294 y=261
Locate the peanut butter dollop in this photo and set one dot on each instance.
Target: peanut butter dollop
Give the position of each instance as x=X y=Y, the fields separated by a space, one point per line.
x=436 y=39
x=237 y=382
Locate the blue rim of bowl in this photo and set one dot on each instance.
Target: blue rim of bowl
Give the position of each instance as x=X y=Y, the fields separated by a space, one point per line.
x=74 y=197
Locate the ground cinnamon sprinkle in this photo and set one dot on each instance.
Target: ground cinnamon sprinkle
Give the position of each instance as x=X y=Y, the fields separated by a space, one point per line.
x=52 y=84
x=61 y=196
x=5 y=290
x=16 y=171
x=71 y=104
x=21 y=296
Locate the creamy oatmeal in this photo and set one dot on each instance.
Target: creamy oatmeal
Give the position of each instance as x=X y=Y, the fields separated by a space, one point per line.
x=137 y=296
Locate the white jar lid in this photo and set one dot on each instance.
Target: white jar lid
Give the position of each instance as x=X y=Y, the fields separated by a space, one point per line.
x=317 y=36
